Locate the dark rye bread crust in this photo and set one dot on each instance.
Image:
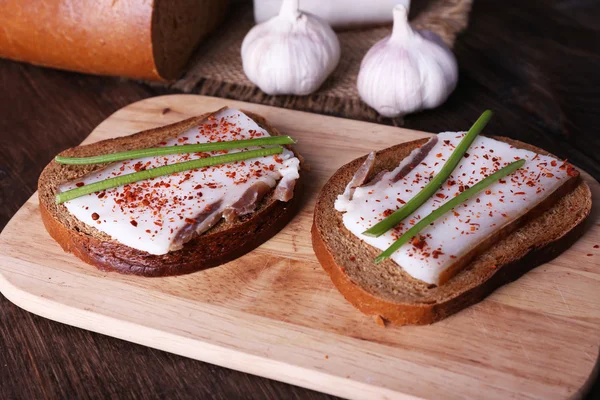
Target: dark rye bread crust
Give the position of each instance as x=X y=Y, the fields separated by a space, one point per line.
x=224 y=242
x=386 y=291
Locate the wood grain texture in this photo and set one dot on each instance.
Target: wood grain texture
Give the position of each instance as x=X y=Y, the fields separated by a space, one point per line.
x=275 y=313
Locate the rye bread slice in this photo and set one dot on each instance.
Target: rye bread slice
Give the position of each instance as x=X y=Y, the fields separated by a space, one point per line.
x=223 y=242
x=387 y=291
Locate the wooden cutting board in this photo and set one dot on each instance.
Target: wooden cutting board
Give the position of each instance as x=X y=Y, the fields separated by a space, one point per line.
x=275 y=313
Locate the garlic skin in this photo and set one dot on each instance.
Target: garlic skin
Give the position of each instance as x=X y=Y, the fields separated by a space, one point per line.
x=407 y=71
x=292 y=53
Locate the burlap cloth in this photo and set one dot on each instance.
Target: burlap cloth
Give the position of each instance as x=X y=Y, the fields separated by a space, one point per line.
x=216 y=67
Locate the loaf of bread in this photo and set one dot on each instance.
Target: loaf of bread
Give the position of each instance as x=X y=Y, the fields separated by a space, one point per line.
x=145 y=39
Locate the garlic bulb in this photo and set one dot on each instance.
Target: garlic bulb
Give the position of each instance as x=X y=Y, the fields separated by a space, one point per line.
x=292 y=53
x=407 y=71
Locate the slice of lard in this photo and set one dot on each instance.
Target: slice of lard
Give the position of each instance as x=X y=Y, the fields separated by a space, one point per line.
x=452 y=236
x=161 y=214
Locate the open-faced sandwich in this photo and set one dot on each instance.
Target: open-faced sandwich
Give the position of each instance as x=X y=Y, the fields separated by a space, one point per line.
x=421 y=230
x=174 y=199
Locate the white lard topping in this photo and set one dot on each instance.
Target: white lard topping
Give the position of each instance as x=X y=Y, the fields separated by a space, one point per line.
x=147 y=215
x=441 y=244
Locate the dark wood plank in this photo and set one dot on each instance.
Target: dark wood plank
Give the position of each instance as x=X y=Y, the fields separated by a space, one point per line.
x=535 y=63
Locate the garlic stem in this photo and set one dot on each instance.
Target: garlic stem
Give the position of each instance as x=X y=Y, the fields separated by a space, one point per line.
x=401 y=30
x=289 y=8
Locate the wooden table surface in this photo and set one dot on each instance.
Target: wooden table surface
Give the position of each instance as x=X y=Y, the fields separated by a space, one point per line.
x=536 y=64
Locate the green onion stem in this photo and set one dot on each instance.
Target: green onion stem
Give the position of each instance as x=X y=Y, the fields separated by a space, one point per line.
x=449 y=205
x=164 y=170
x=417 y=201
x=188 y=148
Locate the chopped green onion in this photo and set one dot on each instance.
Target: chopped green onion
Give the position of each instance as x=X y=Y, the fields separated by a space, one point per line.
x=188 y=148
x=394 y=219
x=164 y=170
x=449 y=205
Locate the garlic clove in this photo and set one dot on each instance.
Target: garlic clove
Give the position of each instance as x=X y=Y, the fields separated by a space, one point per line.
x=406 y=71
x=292 y=53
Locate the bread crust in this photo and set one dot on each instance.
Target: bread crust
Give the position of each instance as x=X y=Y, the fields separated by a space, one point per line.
x=210 y=249
x=400 y=313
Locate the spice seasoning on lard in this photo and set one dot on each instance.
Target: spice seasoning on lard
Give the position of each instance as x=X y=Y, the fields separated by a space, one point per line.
x=161 y=214
x=443 y=242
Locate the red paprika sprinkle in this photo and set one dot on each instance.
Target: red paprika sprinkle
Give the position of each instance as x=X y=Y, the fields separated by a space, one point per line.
x=436 y=253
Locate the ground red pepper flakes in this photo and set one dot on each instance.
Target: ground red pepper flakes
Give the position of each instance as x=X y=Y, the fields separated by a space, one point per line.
x=571 y=171
x=564 y=164
x=95 y=216
x=596 y=246
x=79 y=184
x=419 y=242
x=388 y=212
